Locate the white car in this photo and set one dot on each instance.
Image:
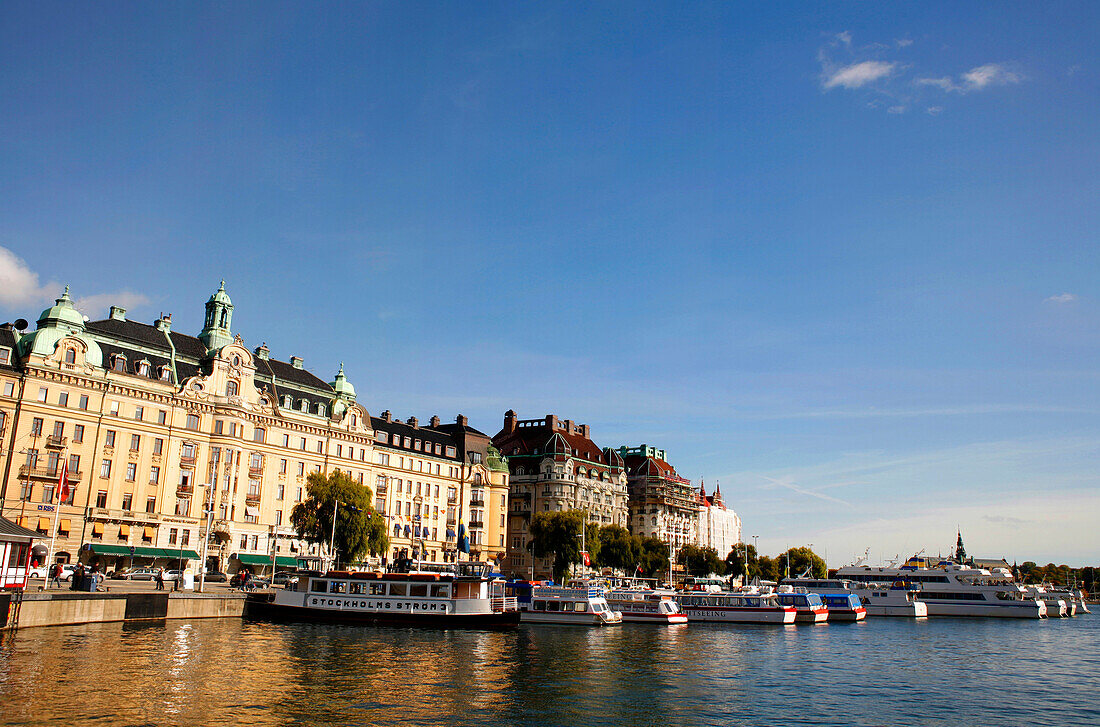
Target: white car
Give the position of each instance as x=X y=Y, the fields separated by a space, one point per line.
x=42 y=571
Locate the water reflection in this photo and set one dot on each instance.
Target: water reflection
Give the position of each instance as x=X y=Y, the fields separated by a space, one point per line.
x=228 y=672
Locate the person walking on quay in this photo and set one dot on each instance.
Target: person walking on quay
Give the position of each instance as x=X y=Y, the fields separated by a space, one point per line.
x=160 y=579
x=55 y=574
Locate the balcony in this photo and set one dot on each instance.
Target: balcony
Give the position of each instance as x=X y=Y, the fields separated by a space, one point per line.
x=451 y=522
x=381 y=489
x=252 y=498
x=256 y=472
x=452 y=499
x=46 y=473
x=477 y=524
x=55 y=442
x=477 y=503
x=186 y=461
x=185 y=490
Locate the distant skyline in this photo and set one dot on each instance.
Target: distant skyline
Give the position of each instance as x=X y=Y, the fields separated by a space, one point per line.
x=841 y=259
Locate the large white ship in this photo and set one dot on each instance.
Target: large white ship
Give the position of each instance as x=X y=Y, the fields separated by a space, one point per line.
x=951 y=589
x=879 y=599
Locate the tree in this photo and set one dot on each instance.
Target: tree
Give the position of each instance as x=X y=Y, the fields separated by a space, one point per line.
x=653 y=557
x=768 y=568
x=735 y=561
x=800 y=559
x=558 y=534
x=359 y=529
x=700 y=561
x=618 y=548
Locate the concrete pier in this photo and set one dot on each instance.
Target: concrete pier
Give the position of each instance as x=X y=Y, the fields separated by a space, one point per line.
x=59 y=609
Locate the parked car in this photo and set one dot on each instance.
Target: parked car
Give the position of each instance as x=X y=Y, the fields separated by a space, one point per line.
x=172 y=575
x=285 y=578
x=136 y=574
x=39 y=572
x=216 y=576
x=257 y=582
x=67 y=570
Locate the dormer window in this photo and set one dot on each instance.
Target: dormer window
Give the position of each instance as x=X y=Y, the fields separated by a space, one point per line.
x=303 y=405
x=70 y=356
x=354 y=420
x=165 y=373
x=231 y=388
x=288 y=403
x=118 y=362
x=143 y=368
x=320 y=410
x=236 y=360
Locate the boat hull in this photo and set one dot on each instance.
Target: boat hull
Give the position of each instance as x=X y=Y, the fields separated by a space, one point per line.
x=814 y=616
x=917 y=609
x=717 y=614
x=653 y=618
x=565 y=619
x=1025 y=609
x=850 y=616
x=262 y=609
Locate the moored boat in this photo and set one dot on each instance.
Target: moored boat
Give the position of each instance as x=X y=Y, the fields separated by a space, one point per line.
x=539 y=603
x=735 y=608
x=467 y=597
x=878 y=599
x=844 y=606
x=645 y=606
x=809 y=608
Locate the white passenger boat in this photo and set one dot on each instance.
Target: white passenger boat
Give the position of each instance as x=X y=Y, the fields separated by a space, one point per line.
x=645 y=606
x=540 y=603
x=808 y=606
x=734 y=607
x=951 y=589
x=878 y=599
x=467 y=597
x=1056 y=605
x=844 y=606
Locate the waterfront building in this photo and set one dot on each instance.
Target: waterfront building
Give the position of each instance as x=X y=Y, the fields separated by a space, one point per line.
x=719 y=527
x=663 y=504
x=555 y=466
x=149 y=425
x=430 y=480
x=15 y=560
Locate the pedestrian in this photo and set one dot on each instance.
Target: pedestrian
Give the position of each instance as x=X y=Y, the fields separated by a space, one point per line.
x=160 y=579
x=55 y=574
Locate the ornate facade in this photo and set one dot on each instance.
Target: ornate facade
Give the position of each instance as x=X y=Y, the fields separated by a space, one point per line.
x=719 y=527
x=554 y=466
x=663 y=504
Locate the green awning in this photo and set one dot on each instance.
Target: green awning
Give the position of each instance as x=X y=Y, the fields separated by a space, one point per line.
x=141 y=552
x=282 y=560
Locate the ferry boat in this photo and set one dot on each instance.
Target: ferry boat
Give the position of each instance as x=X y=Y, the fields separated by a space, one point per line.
x=468 y=596
x=878 y=599
x=730 y=607
x=952 y=589
x=541 y=603
x=844 y=606
x=1056 y=605
x=1074 y=598
x=645 y=606
x=809 y=608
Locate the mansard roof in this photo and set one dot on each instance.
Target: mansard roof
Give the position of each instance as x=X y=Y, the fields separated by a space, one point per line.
x=434 y=435
x=7 y=338
x=541 y=438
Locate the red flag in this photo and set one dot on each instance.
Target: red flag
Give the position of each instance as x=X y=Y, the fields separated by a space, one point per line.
x=587 y=560
x=64 y=482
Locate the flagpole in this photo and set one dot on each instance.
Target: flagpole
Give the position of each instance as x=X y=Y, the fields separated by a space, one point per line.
x=53 y=528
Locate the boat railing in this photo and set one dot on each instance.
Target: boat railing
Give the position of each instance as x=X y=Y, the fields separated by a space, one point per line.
x=504 y=603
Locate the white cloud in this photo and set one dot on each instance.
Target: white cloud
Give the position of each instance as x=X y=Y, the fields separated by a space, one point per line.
x=903 y=42
x=934 y=110
x=975 y=79
x=858 y=74
x=94 y=306
x=1063 y=298
x=844 y=37
x=19 y=284
x=896 y=110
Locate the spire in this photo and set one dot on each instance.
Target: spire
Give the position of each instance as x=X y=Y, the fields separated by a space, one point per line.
x=960 y=551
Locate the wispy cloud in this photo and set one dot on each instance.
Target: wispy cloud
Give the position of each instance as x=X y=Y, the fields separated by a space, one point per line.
x=896 y=110
x=788 y=484
x=934 y=110
x=976 y=79
x=94 y=305
x=857 y=75
x=20 y=289
x=1061 y=299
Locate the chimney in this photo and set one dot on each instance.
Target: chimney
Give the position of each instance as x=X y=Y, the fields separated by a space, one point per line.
x=584 y=430
x=297 y=362
x=461 y=420
x=433 y=422
x=568 y=424
x=509 y=421
x=262 y=351
x=411 y=421
x=552 y=421
x=117 y=313
x=386 y=416
x=164 y=323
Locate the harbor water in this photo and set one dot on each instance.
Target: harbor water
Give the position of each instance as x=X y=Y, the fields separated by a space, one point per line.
x=877 y=672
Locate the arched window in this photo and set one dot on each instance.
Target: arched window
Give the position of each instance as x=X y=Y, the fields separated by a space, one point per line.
x=477 y=478
x=354 y=419
x=320 y=409
x=165 y=373
x=259 y=435
x=231 y=388
x=143 y=368
x=70 y=355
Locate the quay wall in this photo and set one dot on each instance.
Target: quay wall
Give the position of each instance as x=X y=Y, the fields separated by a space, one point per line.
x=61 y=609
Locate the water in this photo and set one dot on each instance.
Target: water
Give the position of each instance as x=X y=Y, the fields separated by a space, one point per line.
x=879 y=672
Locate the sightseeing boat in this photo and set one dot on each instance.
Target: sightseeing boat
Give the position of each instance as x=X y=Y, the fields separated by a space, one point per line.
x=877 y=599
x=469 y=596
x=844 y=606
x=548 y=604
x=732 y=607
x=809 y=608
x=645 y=606
x=1057 y=606
x=952 y=589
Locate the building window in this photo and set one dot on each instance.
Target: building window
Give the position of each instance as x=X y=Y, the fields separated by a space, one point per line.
x=43 y=393
x=9 y=388
x=128 y=501
x=301 y=469
x=183 y=506
x=74 y=465
x=192 y=421
x=303 y=405
x=185 y=537
x=154 y=476
x=219 y=426
x=320 y=447
x=158 y=445
x=451 y=451
x=143 y=368
x=63 y=398
x=109 y=438
x=162 y=416
x=165 y=373
x=101 y=498
x=288 y=403
x=5 y=356
x=139 y=413
x=244 y=542
x=232 y=388
x=282 y=466
x=302 y=443
x=259 y=435
x=118 y=362
x=131 y=471
x=280 y=492
x=83 y=402
x=105 y=469
x=36 y=427
x=135 y=442
x=279 y=517
x=381 y=458
x=151 y=504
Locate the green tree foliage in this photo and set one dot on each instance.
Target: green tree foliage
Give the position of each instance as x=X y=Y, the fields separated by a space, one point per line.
x=800 y=559
x=359 y=529
x=767 y=568
x=700 y=561
x=619 y=548
x=653 y=557
x=735 y=561
x=558 y=535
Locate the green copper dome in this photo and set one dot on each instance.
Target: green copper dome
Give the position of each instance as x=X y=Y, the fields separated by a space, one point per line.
x=221 y=296
x=342 y=386
x=63 y=314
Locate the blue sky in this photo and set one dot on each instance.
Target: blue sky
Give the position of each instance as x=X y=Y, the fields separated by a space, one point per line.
x=840 y=258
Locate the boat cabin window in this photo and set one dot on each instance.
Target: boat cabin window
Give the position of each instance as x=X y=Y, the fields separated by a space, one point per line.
x=552 y=606
x=399 y=589
x=338 y=587
x=319 y=587
x=440 y=591
x=418 y=589
x=356 y=588
x=580 y=607
x=539 y=606
x=377 y=589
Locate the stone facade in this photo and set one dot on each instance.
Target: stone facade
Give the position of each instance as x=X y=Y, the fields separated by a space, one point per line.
x=663 y=504
x=719 y=527
x=555 y=466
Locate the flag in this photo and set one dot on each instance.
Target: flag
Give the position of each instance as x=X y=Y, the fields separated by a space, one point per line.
x=463 y=541
x=585 y=558
x=63 y=482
